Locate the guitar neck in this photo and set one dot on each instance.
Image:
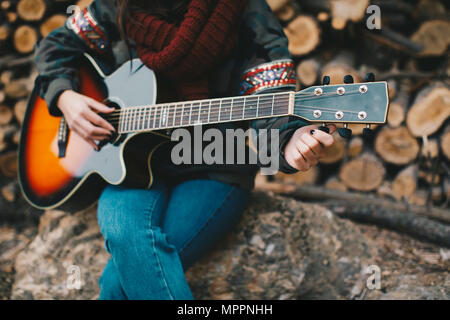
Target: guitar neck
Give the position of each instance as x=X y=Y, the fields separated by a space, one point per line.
x=211 y=111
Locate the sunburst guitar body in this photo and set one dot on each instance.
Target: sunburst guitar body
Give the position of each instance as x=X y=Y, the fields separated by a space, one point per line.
x=75 y=180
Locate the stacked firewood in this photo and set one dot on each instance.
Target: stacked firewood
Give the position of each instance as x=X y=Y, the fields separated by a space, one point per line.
x=22 y=24
x=407 y=159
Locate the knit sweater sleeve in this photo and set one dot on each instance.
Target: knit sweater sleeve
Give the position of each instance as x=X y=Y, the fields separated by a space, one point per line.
x=268 y=68
x=91 y=31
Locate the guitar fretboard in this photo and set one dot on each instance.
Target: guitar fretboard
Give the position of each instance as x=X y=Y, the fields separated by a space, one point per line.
x=185 y=114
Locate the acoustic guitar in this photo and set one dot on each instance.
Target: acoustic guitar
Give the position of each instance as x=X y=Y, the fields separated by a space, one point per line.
x=57 y=168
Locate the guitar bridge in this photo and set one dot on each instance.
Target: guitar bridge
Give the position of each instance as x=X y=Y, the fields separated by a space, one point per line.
x=63 y=132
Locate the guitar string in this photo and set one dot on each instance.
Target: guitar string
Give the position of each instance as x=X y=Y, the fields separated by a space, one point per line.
x=200 y=102
x=178 y=119
x=139 y=125
x=146 y=115
x=199 y=106
x=218 y=108
x=220 y=100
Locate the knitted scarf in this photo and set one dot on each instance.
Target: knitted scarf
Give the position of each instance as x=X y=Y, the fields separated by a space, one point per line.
x=186 y=54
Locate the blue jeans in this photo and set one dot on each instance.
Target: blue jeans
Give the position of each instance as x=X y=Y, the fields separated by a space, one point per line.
x=154 y=235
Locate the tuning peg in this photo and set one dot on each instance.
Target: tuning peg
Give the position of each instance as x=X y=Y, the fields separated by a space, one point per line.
x=348 y=79
x=370 y=77
x=367 y=132
x=326 y=80
x=345 y=132
x=324 y=128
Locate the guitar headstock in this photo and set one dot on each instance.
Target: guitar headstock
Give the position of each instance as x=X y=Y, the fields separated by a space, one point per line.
x=365 y=103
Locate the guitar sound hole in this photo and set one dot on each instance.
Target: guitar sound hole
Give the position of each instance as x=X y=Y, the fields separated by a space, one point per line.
x=116 y=138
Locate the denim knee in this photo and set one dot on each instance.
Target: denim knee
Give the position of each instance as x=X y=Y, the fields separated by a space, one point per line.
x=109 y=283
x=125 y=215
x=115 y=220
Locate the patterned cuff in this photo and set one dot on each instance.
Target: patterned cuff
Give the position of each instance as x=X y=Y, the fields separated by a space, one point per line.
x=275 y=74
x=87 y=28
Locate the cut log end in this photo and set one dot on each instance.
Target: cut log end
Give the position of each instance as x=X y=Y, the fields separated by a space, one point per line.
x=286 y=13
x=396 y=146
x=31 y=10
x=8 y=164
x=10 y=191
x=52 y=23
x=25 y=37
x=365 y=173
x=428 y=113
x=405 y=183
x=308 y=71
x=6 y=115
x=304 y=35
x=277 y=5
x=355 y=147
x=434 y=36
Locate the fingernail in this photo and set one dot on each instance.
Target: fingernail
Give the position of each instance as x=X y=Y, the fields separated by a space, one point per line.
x=312 y=132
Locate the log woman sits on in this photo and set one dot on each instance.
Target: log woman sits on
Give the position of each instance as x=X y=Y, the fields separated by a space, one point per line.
x=198 y=49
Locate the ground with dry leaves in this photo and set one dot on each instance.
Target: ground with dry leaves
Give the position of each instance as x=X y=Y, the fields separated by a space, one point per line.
x=282 y=249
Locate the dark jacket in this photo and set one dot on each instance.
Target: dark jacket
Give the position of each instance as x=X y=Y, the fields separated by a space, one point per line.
x=261 y=44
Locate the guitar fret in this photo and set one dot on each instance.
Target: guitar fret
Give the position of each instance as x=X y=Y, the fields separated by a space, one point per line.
x=140 y=116
x=136 y=119
x=174 y=116
x=121 y=121
x=190 y=115
x=149 y=116
x=174 y=113
x=237 y=105
x=127 y=124
x=154 y=117
x=273 y=101
x=251 y=109
x=130 y=119
x=193 y=115
x=179 y=118
x=133 y=117
x=257 y=106
x=144 y=117
x=231 y=109
x=202 y=118
x=187 y=116
x=209 y=111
